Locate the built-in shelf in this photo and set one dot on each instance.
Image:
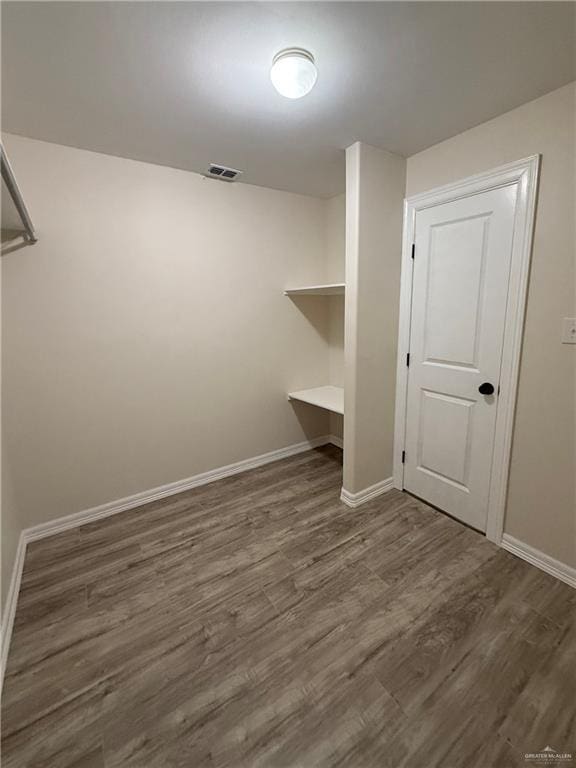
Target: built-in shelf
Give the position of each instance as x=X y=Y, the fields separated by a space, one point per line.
x=331 y=289
x=329 y=397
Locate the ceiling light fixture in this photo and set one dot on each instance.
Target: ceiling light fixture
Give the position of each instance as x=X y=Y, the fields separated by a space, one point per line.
x=293 y=72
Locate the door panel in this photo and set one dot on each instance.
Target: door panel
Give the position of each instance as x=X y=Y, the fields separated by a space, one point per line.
x=459 y=293
x=444 y=340
x=445 y=435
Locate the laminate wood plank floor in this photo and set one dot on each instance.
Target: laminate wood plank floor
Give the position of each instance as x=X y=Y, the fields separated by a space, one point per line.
x=257 y=622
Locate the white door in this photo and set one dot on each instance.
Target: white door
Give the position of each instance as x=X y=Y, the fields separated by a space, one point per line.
x=459 y=292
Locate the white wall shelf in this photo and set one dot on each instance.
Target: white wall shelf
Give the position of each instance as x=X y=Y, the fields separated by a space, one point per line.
x=329 y=397
x=331 y=289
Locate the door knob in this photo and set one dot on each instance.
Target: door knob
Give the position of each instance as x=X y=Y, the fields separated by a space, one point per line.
x=486 y=388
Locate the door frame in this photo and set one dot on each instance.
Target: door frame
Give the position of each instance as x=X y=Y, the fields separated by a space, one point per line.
x=524 y=174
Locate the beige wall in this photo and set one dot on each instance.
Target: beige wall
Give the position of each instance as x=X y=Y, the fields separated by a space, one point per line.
x=375 y=182
x=335 y=239
x=146 y=336
x=541 y=508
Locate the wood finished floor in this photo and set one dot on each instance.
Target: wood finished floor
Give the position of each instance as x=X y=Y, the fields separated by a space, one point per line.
x=258 y=622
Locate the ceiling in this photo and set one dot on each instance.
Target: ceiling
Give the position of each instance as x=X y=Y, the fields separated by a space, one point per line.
x=186 y=84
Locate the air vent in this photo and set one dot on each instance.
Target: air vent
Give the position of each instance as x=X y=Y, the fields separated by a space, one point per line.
x=223 y=173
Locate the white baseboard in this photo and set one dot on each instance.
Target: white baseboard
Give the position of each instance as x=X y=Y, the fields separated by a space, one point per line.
x=356 y=499
x=61 y=524
x=170 y=489
x=335 y=440
x=9 y=612
x=546 y=563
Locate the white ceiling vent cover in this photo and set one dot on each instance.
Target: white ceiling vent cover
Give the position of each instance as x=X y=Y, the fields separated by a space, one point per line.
x=222 y=172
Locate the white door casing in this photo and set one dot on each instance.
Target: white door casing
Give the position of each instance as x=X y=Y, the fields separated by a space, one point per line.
x=461 y=318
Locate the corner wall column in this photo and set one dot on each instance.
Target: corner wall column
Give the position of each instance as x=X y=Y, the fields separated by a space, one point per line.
x=375 y=188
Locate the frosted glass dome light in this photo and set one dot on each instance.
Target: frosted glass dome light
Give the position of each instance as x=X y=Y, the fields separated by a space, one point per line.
x=293 y=72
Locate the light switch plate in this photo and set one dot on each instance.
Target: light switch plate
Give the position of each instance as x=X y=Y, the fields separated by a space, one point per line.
x=569 y=330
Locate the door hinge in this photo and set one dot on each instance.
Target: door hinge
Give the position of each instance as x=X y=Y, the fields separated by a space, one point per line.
x=408 y=360
x=413 y=249
x=403 y=457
